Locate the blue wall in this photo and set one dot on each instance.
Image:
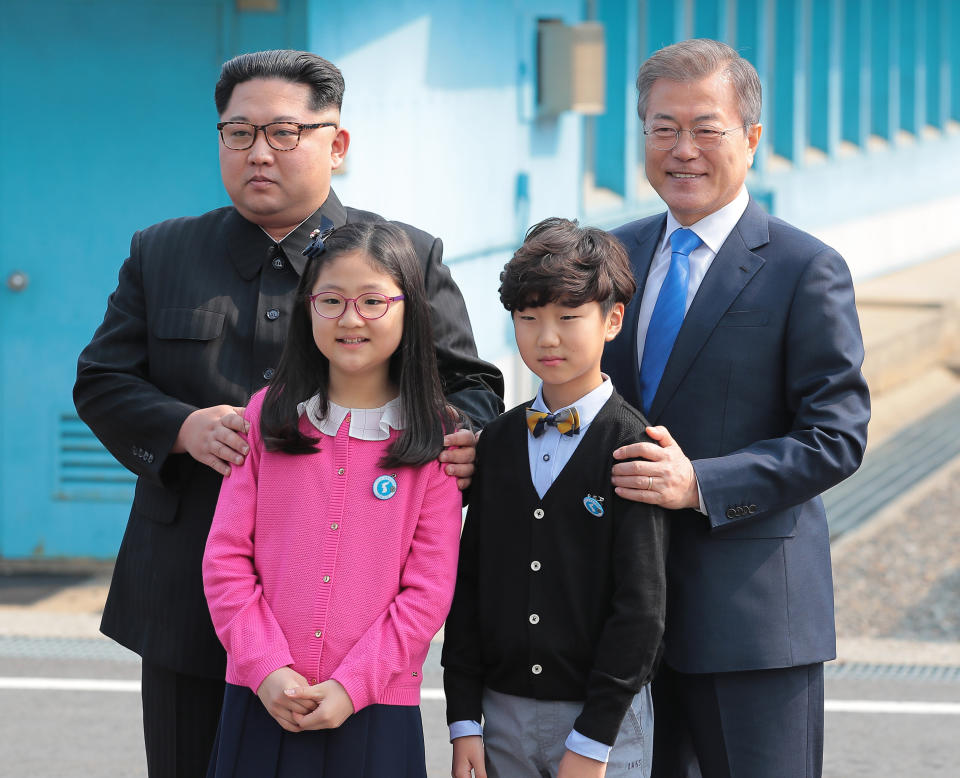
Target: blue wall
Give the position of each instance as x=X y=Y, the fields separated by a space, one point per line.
x=861 y=103
x=440 y=102
x=108 y=126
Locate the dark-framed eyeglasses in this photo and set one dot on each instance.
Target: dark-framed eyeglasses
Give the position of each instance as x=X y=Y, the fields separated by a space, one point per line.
x=332 y=305
x=282 y=136
x=704 y=136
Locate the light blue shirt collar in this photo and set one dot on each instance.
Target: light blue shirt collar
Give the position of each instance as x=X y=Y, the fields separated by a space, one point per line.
x=549 y=453
x=587 y=406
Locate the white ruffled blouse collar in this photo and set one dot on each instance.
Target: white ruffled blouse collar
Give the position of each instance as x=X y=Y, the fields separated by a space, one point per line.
x=365 y=423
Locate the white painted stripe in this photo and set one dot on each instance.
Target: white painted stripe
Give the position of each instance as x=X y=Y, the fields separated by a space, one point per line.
x=70 y=684
x=835 y=706
x=892 y=706
x=431 y=694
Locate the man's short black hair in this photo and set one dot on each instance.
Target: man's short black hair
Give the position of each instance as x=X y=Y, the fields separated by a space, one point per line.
x=298 y=67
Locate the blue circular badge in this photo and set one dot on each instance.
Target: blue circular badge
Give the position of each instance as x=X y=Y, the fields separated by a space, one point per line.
x=385 y=487
x=592 y=504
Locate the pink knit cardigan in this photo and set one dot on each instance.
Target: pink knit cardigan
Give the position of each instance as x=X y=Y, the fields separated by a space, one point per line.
x=306 y=567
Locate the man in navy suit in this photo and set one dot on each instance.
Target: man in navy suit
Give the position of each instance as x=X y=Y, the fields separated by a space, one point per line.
x=743 y=348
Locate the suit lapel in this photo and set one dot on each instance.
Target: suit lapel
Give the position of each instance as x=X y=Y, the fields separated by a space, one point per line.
x=730 y=271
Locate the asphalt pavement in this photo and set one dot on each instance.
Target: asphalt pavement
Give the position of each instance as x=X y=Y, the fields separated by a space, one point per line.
x=71 y=708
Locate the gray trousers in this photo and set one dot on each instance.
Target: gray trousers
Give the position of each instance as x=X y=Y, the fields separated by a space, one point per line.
x=524 y=738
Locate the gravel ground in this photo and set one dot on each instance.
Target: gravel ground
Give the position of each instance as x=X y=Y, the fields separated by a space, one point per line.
x=903 y=580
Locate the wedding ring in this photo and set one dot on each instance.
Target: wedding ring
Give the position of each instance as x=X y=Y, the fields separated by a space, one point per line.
x=649 y=483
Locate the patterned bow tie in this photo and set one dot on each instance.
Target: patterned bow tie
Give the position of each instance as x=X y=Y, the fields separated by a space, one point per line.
x=567 y=421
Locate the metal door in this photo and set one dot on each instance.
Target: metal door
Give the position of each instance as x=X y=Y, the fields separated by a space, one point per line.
x=107 y=126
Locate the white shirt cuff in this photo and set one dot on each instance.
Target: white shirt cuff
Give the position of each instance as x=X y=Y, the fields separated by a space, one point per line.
x=703 y=505
x=581 y=744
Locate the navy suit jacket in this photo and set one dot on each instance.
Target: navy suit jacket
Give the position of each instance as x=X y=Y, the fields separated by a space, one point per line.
x=763 y=392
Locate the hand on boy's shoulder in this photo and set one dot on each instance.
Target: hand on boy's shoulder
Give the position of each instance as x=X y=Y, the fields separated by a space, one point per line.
x=659 y=473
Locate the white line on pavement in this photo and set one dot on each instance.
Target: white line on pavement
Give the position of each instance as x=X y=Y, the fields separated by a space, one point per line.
x=70 y=684
x=831 y=706
x=892 y=706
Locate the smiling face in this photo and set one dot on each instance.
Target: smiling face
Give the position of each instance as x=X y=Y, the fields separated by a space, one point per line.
x=563 y=345
x=692 y=182
x=279 y=189
x=358 y=349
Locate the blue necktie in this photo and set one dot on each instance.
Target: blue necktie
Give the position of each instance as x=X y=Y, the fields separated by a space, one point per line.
x=667 y=314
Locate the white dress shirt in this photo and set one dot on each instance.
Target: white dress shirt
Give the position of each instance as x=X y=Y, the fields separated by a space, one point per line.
x=713 y=230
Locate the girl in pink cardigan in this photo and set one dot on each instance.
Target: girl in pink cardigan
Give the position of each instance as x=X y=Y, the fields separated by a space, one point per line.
x=332 y=556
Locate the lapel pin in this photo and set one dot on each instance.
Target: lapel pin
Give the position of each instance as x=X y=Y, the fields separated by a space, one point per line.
x=385 y=487
x=594 y=505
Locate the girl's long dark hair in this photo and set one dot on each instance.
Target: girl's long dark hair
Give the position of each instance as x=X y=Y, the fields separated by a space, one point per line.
x=303 y=371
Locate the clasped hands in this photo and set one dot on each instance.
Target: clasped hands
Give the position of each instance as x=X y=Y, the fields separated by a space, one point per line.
x=212 y=436
x=297 y=706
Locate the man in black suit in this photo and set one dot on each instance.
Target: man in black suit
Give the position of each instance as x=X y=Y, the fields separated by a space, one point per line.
x=742 y=346
x=195 y=326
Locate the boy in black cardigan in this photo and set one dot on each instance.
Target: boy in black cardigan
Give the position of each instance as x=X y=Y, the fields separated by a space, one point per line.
x=558 y=615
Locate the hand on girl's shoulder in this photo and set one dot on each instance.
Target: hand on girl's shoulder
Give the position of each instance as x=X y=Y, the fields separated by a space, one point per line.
x=459 y=454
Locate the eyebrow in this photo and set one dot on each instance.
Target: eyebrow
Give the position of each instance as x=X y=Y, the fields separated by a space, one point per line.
x=363 y=289
x=701 y=118
x=241 y=118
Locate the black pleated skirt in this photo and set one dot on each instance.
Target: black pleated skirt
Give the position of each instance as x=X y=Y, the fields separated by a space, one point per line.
x=379 y=741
